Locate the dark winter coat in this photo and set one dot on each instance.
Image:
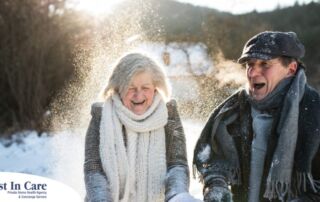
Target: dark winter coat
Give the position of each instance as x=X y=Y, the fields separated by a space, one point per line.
x=177 y=178
x=307 y=148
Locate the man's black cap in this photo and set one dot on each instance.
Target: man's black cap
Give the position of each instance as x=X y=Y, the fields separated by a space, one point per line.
x=270 y=44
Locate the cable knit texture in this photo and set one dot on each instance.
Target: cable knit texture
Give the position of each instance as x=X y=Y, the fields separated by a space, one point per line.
x=135 y=173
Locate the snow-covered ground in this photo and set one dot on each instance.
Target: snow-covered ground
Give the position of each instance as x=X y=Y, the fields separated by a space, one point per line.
x=60 y=156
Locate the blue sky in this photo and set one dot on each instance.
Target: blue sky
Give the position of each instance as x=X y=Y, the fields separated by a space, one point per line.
x=243 y=6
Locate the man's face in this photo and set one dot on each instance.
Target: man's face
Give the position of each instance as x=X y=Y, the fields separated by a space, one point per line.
x=264 y=75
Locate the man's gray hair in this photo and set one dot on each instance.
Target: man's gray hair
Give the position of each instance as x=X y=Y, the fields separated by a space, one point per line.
x=130 y=65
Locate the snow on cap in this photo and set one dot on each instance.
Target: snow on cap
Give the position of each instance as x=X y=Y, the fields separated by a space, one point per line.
x=270 y=44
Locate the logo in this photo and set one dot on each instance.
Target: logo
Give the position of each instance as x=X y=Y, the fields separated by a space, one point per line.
x=19 y=187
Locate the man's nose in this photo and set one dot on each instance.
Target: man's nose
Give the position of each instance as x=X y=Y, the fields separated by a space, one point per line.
x=253 y=71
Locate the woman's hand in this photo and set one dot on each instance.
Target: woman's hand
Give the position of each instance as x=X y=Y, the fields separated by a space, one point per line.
x=184 y=197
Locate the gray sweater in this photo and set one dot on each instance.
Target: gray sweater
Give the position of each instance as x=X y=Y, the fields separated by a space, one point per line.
x=177 y=177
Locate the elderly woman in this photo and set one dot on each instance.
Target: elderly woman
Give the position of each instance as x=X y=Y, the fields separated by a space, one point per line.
x=135 y=145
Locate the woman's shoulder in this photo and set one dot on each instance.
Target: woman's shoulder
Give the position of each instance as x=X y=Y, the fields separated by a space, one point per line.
x=96 y=108
x=172 y=107
x=171 y=103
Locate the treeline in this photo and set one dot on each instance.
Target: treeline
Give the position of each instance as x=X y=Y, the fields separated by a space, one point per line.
x=46 y=53
x=37 y=40
x=40 y=39
x=226 y=33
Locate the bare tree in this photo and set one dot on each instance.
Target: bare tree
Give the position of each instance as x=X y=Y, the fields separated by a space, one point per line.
x=36 y=59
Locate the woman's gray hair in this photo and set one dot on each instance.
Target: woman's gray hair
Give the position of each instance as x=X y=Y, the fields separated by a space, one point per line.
x=131 y=64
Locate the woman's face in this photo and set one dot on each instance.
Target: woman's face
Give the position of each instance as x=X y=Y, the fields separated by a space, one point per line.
x=140 y=93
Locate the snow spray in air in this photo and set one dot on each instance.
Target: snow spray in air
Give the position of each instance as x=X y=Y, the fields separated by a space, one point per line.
x=108 y=39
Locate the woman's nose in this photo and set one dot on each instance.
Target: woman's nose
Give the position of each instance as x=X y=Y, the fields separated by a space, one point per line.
x=138 y=93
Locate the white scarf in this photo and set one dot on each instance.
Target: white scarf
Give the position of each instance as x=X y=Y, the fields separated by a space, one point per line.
x=135 y=171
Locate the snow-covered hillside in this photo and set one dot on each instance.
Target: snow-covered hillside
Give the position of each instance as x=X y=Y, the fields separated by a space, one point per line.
x=182 y=63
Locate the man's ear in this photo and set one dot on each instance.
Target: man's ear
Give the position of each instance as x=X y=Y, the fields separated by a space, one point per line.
x=293 y=66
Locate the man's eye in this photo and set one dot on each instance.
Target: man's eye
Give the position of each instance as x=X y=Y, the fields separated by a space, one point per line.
x=248 y=65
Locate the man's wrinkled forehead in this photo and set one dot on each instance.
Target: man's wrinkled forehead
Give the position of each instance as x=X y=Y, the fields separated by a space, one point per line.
x=257 y=60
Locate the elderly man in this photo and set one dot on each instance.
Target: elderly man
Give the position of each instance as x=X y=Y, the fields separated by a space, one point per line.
x=263 y=141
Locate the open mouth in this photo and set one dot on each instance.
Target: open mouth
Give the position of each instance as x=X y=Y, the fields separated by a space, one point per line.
x=137 y=103
x=258 y=85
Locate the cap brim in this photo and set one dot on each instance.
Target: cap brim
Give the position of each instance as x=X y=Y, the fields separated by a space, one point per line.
x=247 y=56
